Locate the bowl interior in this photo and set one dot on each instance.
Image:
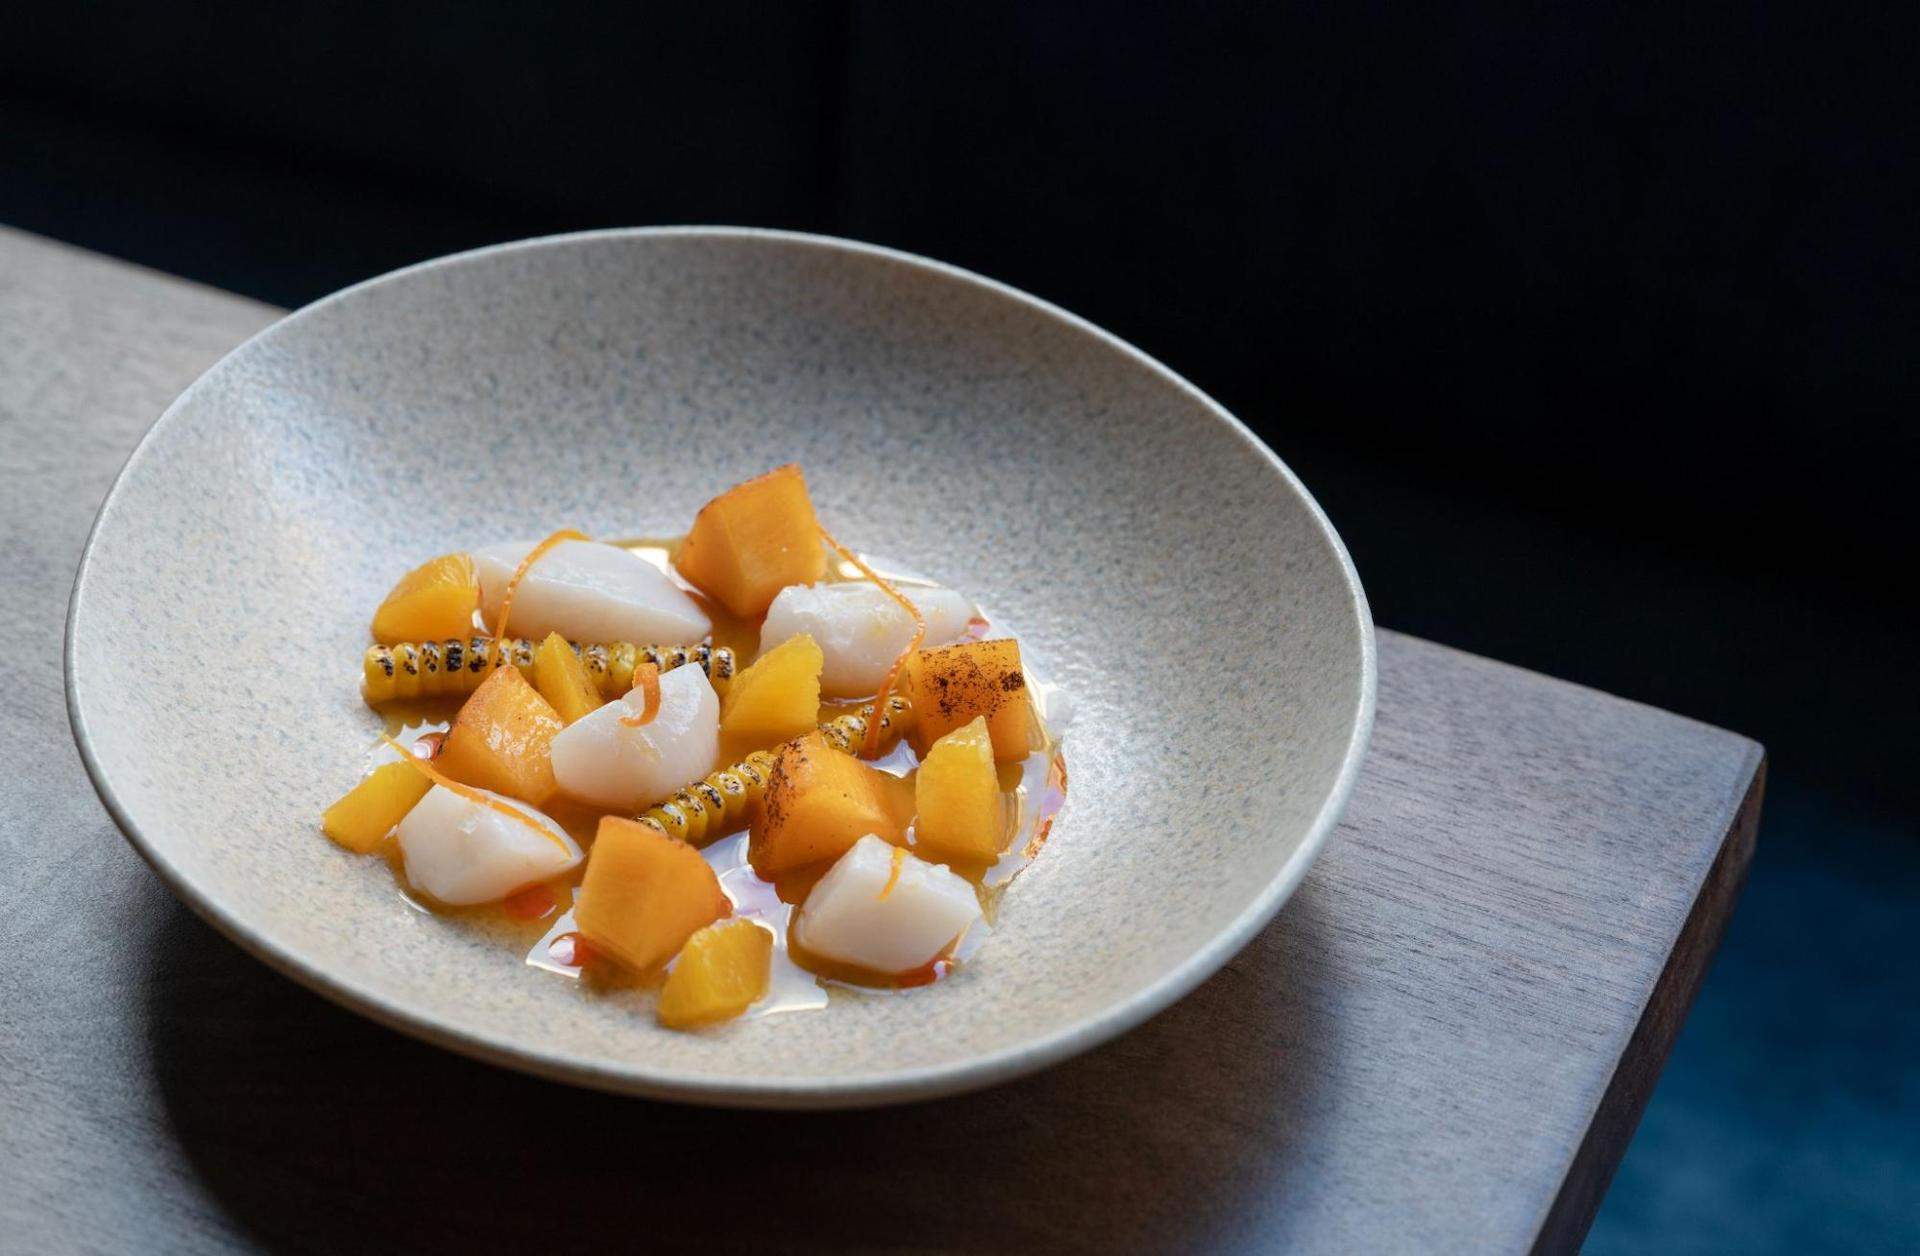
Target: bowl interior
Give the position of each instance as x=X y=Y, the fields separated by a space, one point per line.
x=1159 y=564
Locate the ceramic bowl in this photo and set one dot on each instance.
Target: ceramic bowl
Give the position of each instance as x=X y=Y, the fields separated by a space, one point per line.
x=1159 y=562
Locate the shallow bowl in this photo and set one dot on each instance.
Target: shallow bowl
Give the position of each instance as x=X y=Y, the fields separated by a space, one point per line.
x=1161 y=565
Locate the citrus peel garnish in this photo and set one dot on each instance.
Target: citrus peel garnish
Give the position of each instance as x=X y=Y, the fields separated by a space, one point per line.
x=534 y=555
x=471 y=794
x=870 y=745
x=646 y=678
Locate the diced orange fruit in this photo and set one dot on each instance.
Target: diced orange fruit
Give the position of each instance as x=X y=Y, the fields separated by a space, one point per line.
x=953 y=684
x=778 y=697
x=961 y=812
x=502 y=739
x=721 y=971
x=818 y=803
x=370 y=810
x=561 y=677
x=754 y=540
x=644 y=894
x=433 y=602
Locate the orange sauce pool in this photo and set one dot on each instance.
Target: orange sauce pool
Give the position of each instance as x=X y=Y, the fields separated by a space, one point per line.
x=538 y=920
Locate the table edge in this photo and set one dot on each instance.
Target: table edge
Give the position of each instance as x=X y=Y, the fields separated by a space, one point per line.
x=1564 y=1225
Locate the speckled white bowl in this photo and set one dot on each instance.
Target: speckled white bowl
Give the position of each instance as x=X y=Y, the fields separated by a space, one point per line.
x=1158 y=561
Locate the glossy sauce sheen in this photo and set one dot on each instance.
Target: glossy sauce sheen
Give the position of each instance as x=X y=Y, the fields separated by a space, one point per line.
x=539 y=919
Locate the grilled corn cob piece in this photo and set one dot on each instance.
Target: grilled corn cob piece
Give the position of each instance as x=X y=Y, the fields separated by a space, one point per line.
x=426 y=669
x=719 y=803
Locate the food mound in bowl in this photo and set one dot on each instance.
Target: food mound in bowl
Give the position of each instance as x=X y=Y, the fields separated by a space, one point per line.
x=742 y=766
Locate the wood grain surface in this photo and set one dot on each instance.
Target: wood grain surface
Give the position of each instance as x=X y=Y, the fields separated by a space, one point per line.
x=1442 y=1044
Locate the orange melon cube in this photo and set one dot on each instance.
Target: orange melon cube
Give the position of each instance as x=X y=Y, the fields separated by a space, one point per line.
x=818 y=803
x=369 y=811
x=644 y=894
x=754 y=540
x=721 y=972
x=561 y=677
x=778 y=697
x=961 y=813
x=502 y=739
x=433 y=602
x=951 y=685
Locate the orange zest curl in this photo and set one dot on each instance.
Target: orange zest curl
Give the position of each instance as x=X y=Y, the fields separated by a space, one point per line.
x=534 y=555
x=646 y=678
x=893 y=873
x=870 y=746
x=471 y=794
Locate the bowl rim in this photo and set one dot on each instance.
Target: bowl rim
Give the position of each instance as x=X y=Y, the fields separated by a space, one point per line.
x=860 y=1090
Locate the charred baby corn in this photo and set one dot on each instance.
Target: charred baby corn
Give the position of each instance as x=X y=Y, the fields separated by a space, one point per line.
x=426 y=669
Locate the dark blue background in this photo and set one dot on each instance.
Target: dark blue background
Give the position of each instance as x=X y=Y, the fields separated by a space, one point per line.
x=1594 y=330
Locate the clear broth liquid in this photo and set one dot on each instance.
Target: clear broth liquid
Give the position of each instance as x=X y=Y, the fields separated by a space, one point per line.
x=539 y=921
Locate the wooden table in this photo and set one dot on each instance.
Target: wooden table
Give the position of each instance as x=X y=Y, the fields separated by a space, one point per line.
x=1442 y=1044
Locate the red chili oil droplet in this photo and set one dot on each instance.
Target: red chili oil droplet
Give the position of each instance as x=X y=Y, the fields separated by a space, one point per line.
x=531 y=903
x=925 y=975
x=570 y=950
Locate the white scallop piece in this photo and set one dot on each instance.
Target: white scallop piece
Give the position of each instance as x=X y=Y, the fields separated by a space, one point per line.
x=860 y=629
x=462 y=852
x=589 y=591
x=853 y=917
x=601 y=761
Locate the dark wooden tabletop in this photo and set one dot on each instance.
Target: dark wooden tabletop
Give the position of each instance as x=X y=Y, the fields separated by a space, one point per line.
x=1442 y=1044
